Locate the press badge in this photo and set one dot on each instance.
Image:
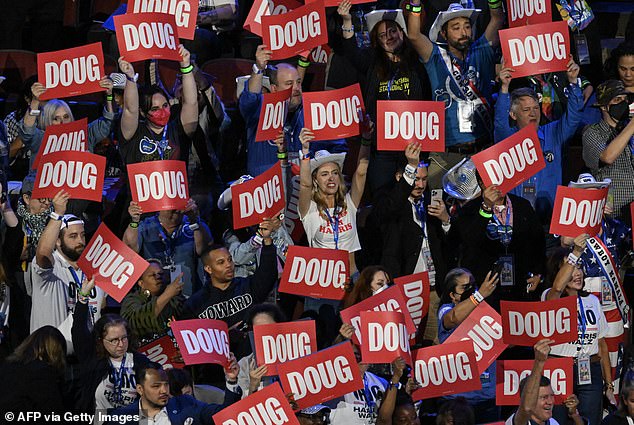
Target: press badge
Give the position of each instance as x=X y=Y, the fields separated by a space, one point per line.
x=465 y=116
x=583 y=54
x=606 y=292
x=506 y=270
x=583 y=370
x=529 y=192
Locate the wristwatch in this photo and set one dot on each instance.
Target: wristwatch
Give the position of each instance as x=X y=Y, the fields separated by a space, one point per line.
x=256 y=69
x=54 y=216
x=194 y=226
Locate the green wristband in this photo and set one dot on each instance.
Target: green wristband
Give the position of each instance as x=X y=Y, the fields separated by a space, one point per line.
x=302 y=63
x=187 y=69
x=485 y=214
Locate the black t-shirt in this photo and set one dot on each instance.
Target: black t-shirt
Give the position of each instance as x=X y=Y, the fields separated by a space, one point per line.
x=146 y=145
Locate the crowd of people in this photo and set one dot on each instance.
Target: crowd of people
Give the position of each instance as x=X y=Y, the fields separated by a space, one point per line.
x=68 y=347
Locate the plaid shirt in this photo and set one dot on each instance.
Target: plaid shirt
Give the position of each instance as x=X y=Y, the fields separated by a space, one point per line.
x=11 y=122
x=595 y=140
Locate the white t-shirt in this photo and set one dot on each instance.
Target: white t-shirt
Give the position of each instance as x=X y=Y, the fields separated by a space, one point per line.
x=596 y=328
x=55 y=296
x=352 y=408
x=319 y=229
x=551 y=421
x=104 y=395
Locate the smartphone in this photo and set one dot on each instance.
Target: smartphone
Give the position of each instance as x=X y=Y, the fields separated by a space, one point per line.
x=436 y=196
x=497 y=268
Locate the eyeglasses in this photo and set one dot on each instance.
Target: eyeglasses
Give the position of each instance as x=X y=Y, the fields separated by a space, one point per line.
x=117 y=341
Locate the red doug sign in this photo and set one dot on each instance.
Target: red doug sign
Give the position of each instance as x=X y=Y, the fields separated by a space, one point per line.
x=536 y=49
x=262 y=197
x=159 y=185
x=525 y=323
x=445 y=369
x=281 y=342
x=401 y=121
x=416 y=290
x=510 y=372
x=71 y=72
x=202 y=341
x=262 y=8
x=392 y=299
x=333 y=114
x=63 y=137
x=294 y=32
x=577 y=211
x=184 y=12
x=315 y=272
x=322 y=376
x=81 y=174
x=162 y=351
x=528 y=12
x=272 y=115
x=115 y=267
x=143 y=36
x=484 y=328
x=385 y=337
x=511 y=161
x=267 y=406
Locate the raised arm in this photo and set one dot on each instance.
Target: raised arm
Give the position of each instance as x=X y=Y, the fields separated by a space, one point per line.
x=565 y=272
x=262 y=57
x=202 y=235
x=131 y=234
x=359 y=177
x=495 y=23
x=48 y=240
x=189 y=109
x=459 y=313
x=421 y=43
x=37 y=89
x=305 y=176
x=386 y=410
x=130 y=115
x=528 y=401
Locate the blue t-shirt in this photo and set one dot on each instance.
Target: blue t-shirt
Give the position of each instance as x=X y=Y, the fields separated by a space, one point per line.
x=479 y=70
x=178 y=249
x=487 y=378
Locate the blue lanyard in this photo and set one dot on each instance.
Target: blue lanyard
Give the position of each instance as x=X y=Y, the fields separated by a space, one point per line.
x=117 y=375
x=369 y=400
x=334 y=224
x=76 y=278
x=583 y=319
x=167 y=242
x=162 y=145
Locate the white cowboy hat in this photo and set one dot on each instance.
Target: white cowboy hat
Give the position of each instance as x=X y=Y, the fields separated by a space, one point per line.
x=460 y=181
x=225 y=197
x=455 y=10
x=587 y=181
x=243 y=80
x=377 y=16
x=323 y=157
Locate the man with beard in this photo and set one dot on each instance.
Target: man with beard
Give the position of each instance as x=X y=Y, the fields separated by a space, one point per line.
x=261 y=156
x=56 y=277
x=461 y=75
x=155 y=405
x=608 y=146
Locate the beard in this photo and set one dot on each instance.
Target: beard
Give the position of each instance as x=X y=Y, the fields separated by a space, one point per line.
x=461 y=45
x=70 y=253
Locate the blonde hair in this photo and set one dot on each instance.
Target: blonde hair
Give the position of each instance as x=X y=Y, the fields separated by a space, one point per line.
x=340 y=196
x=48 y=112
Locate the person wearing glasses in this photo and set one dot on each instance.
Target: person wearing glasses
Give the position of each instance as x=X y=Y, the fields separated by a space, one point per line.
x=500 y=230
x=106 y=357
x=149 y=308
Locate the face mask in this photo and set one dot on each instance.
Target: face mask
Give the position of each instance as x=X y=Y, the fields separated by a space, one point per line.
x=381 y=289
x=619 y=111
x=160 y=117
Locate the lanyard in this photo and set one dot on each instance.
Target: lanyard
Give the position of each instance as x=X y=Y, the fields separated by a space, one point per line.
x=117 y=375
x=369 y=400
x=162 y=145
x=583 y=319
x=76 y=278
x=334 y=224
x=167 y=242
